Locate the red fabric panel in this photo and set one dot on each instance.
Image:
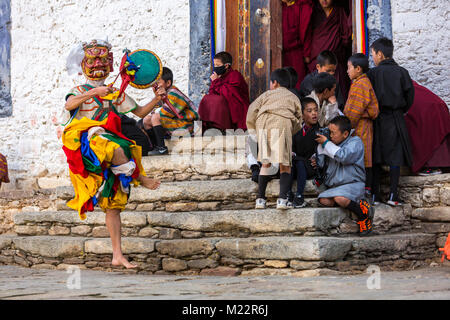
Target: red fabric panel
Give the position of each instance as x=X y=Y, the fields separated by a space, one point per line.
x=234 y=89
x=297 y=36
x=428 y=123
x=214 y=112
x=75 y=161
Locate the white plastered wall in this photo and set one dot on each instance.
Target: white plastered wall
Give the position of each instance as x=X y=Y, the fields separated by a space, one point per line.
x=422 y=42
x=42 y=33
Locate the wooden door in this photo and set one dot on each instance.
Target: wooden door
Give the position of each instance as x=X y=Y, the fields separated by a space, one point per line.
x=265 y=43
x=254 y=39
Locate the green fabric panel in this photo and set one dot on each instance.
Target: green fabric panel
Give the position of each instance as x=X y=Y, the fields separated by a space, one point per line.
x=108 y=188
x=90 y=166
x=124 y=144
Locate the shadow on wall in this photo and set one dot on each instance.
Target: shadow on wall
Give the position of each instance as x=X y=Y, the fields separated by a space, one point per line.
x=5 y=59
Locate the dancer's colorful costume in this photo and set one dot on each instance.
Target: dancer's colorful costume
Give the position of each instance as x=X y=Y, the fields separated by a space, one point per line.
x=92 y=136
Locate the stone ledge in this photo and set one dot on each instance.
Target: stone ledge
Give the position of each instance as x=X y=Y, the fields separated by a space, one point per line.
x=395 y=242
x=236 y=223
x=188 y=247
x=252 y=221
x=283 y=248
x=201 y=164
x=129 y=245
x=214 y=256
x=52 y=247
x=129 y=218
x=419 y=181
x=436 y=214
x=17 y=194
x=207 y=143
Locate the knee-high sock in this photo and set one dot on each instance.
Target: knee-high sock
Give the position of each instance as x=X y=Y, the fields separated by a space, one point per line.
x=285 y=184
x=159 y=133
x=376 y=179
x=262 y=185
x=369 y=175
x=301 y=177
x=394 y=174
x=356 y=209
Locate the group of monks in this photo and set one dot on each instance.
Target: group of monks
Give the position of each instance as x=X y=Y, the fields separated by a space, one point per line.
x=310 y=27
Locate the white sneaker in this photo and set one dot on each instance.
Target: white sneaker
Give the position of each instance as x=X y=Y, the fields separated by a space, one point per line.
x=260 y=203
x=284 y=204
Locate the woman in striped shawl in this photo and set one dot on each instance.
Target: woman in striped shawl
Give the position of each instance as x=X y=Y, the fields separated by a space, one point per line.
x=362 y=108
x=164 y=121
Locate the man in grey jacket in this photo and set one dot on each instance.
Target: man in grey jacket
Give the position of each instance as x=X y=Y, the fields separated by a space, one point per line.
x=345 y=173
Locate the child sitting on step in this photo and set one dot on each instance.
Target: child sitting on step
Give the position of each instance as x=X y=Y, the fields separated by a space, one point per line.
x=343 y=156
x=304 y=146
x=276 y=116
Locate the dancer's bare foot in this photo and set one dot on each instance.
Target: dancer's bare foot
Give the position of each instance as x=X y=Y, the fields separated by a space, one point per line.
x=121 y=261
x=149 y=183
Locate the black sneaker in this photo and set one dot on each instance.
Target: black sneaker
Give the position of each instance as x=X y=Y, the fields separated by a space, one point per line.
x=158 y=151
x=299 y=201
x=366 y=225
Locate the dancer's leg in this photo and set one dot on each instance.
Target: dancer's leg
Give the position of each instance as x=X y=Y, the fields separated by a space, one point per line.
x=113 y=224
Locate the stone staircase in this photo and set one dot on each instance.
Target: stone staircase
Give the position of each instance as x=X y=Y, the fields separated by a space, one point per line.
x=202 y=221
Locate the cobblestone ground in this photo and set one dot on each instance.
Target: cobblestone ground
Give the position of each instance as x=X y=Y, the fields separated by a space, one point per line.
x=22 y=283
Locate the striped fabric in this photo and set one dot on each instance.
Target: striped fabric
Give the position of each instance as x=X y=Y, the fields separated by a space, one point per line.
x=3 y=169
x=362 y=36
x=361 y=108
x=185 y=108
x=90 y=163
x=218 y=26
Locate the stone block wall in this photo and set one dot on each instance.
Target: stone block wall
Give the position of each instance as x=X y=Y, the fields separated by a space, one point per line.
x=420 y=32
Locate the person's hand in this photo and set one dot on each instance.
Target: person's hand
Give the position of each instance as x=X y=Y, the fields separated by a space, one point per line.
x=102 y=91
x=307 y=60
x=321 y=139
x=161 y=91
x=313 y=163
x=214 y=76
x=332 y=99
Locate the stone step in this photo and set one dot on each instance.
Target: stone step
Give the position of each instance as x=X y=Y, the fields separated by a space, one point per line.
x=190 y=195
x=241 y=193
x=207 y=144
x=174 y=167
x=199 y=224
x=246 y=256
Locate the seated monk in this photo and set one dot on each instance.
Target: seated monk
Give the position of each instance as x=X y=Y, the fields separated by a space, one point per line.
x=226 y=104
x=428 y=123
x=164 y=121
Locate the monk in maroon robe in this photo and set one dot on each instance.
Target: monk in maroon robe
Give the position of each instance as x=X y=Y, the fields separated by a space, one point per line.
x=428 y=123
x=297 y=36
x=226 y=104
x=331 y=30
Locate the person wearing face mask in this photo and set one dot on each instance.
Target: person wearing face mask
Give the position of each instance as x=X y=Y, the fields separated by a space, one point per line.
x=226 y=104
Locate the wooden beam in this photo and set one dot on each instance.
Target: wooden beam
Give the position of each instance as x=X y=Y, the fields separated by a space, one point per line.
x=276 y=35
x=259 y=47
x=232 y=37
